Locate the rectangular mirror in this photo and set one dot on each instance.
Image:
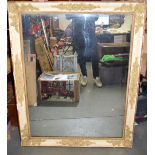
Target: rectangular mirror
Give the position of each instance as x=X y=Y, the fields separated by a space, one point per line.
x=76 y=71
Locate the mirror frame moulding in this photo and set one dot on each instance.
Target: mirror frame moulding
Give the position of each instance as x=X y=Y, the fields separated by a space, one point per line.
x=16 y=9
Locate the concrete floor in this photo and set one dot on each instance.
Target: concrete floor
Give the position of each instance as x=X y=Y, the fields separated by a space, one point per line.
x=139 y=146
x=99 y=111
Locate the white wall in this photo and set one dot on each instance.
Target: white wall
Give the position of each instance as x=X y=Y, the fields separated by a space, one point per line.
x=127 y=23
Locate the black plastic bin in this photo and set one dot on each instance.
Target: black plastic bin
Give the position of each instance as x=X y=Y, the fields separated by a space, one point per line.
x=113 y=73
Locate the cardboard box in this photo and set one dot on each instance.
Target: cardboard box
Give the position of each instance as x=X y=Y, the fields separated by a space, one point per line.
x=59 y=87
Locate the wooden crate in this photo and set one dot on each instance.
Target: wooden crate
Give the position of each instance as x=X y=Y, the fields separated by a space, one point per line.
x=59 y=87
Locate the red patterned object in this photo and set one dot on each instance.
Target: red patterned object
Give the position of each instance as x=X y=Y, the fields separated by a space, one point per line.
x=59 y=87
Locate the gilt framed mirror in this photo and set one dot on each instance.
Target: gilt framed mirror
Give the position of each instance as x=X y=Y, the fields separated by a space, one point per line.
x=76 y=71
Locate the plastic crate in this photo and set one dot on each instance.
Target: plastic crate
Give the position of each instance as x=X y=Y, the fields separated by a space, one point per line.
x=65 y=63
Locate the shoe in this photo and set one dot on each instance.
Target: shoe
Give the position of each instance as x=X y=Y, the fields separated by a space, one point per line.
x=84 y=80
x=98 y=82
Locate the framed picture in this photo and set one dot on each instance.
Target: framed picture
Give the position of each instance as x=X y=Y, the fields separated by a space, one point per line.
x=111 y=109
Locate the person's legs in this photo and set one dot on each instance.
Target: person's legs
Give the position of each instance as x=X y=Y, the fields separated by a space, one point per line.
x=82 y=64
x=95 y=65
x=95 y=68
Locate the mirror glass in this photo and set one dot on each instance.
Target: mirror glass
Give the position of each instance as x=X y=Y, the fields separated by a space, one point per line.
x=76 y=69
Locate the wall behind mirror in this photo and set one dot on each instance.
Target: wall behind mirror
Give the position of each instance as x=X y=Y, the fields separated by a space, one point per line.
x=56 y=47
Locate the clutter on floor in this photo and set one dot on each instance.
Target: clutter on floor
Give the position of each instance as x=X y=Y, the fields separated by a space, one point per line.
x=141 y=113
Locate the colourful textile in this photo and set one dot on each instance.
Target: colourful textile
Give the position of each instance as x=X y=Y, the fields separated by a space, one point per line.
x=108 y=58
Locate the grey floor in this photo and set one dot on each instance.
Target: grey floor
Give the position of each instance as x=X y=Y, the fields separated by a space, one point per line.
x=139 y=146
x=99 y=111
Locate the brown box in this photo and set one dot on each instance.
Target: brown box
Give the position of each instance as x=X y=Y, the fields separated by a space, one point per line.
x=59 y=87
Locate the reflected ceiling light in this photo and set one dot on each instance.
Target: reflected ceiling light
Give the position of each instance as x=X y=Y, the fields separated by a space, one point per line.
x=86 y=15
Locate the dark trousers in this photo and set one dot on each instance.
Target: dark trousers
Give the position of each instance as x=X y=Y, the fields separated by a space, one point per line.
x=82 y=63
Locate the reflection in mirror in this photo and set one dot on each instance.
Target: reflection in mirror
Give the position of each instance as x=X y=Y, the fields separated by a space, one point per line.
x=76 y=73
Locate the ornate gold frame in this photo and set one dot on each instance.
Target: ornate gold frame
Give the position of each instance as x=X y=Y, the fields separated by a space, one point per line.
x=15 y=9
